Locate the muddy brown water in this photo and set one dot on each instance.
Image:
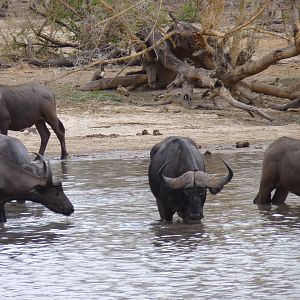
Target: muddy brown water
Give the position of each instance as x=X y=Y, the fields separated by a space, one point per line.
x=114 y=247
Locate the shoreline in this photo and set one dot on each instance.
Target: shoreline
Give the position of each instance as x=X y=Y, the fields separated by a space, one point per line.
x=103 y=144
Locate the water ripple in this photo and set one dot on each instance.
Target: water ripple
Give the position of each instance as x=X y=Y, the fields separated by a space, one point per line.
x=114 y=247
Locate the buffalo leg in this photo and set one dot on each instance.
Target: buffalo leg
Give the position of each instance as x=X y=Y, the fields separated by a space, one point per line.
x=168 y=216
x=2 y=213
x=267 y=185
x=166 y=213
x=44 y=134
x=280 y=195
x=4 y=131
x=256 y=198
x=59 y=130
x=263 y=196
x=183 y=214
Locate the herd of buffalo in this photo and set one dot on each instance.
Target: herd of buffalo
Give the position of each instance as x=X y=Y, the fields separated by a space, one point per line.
x=177 y=175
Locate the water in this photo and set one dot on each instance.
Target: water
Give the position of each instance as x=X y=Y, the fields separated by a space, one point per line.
x=114 y=247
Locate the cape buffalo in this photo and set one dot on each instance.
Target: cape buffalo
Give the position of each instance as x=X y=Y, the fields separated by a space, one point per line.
x=280 y=171
x=24 y=179
x=178 y=179
x=30 y=104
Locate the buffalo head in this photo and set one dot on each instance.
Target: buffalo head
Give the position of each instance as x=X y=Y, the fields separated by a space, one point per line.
x=22 y=178
x=54 y=198
x=194 y=185
x=50 y=194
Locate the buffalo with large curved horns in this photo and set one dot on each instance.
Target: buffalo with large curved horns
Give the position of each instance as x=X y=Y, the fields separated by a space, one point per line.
x=178 y=179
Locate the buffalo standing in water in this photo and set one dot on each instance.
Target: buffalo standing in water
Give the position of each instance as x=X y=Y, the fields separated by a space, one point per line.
x=178 y=179
x=280 y=171
x=30 y=104
x=23 y=179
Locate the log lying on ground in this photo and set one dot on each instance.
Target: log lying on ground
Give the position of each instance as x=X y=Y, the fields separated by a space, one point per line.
x=63 y=62
x=293 y=104
x=129 y=81
x=292 y=92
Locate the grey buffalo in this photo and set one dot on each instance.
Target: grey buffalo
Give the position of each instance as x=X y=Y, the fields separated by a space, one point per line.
x=178 y=179
x=29 y=104
x=280 y=171
x=23 y=179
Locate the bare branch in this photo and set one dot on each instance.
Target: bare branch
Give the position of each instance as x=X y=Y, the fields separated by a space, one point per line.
x=119 y=13
x=249 y=21
x=70 y=8
x=271 y=33
x=59 y=22
x=57 y=42
x=130 y=57
x=260 y=65
x=109 y=9
x=225 y=94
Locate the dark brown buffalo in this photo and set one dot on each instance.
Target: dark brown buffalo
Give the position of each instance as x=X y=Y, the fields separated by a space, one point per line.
x=178 y=179
x=280 y=171
x=30 y=104
x=24 y=179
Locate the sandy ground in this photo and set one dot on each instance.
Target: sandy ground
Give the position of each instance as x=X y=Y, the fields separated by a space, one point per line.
x=94 y=126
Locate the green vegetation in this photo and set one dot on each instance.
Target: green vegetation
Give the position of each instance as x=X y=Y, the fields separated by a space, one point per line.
x=286 y=15
x=64 y=27
x=101 y=96
x=188 y=12
x=76 y=96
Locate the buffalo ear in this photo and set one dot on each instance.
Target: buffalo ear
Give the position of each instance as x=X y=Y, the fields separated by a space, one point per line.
x=214 y=190
x=38 y=157
x=47 y=172
x=37 y=168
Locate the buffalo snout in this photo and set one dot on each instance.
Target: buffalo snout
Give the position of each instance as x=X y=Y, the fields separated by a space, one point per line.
x=67 y=206
x=69 y=212
x=196 y=216
x=54 y=198
x=61 y=205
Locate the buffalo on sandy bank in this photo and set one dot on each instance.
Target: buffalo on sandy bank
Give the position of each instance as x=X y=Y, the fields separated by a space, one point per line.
x=178 y=179
x=29 y=104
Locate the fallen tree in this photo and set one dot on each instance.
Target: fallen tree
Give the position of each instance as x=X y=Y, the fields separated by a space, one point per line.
x=192 y=57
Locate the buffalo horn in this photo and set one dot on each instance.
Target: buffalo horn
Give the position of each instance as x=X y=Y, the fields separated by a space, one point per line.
x=215 y=184
x=183 y=181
